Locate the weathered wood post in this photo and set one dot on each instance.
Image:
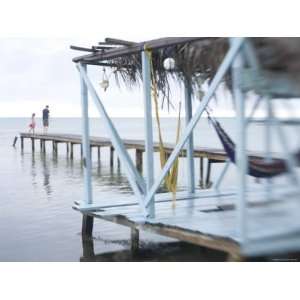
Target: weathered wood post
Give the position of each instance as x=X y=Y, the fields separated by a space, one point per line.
x=22 y=143
x=72 y=151
x=87 y=225
x=208 y=183
x=88 y=247
x=135 y=238
x=54 y=145
x=81 y=152
x=68 y=150
x=32 y=144
x=41 y=145
x=15 y=141
x=112 y=156
x=99 y=154
x=44 y=146
x=201 y=180
x=139 y=160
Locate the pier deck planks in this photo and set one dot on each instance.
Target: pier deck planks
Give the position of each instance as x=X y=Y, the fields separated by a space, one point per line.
x=273 y=226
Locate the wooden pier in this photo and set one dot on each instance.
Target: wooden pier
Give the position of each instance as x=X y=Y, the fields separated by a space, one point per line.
x=209 y=220
x=209 y=156
x=205 y=218
x=244 y=221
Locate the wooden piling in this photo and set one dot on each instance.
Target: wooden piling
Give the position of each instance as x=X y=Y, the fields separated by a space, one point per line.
x=67 y=148
x=22 y=143
x=44 y=146
x=208 y=183
x=72 y=151
x=88 y=247
x=87 y=225
x=32 y=144
x=118 y=163
x=99 y=154
x=139 y=160
x=112 y=156
x=15 y=141
x=135 y=237
x=55 y=149
x=201 y=180
x=41 y=145
x=81 y=151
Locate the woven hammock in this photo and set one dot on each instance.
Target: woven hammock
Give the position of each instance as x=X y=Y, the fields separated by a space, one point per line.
x=258 y=167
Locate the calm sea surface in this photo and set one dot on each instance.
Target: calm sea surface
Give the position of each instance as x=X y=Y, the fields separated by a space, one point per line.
x=37 y=191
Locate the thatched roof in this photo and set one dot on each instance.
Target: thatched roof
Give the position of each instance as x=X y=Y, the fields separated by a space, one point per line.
x=195 y=57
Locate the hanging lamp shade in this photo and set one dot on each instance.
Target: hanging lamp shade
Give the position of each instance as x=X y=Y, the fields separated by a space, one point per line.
x=169 y=63
x=104 y=83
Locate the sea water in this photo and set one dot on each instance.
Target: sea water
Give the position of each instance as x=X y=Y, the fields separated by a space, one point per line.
x=37 y=192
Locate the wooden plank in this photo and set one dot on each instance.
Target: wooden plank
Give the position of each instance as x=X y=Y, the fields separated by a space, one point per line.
x=219 y=228
x=206 y=240
x=270 y=221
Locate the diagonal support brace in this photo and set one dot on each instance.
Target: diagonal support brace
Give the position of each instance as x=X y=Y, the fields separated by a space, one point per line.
x=230 y=56
x=135 y=179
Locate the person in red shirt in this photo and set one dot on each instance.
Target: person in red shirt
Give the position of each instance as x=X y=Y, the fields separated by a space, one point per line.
x=32 y=124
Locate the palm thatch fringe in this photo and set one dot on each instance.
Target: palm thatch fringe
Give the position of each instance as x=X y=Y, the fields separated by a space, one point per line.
x=196 y=59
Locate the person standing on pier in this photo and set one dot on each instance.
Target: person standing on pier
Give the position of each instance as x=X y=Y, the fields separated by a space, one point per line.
x=46 y=119
x=32 y=124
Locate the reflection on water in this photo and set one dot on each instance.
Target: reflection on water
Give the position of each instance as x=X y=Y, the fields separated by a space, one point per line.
x=44 y=166
x=46 y=174
x=34 y=228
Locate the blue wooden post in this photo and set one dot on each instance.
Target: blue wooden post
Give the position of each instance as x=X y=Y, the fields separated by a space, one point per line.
x=241 y=156
x=135 y=179
x=190 y=142
x=148 y=129
x=88 y=198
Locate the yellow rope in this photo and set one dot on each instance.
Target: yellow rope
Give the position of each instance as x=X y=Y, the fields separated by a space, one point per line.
x=172 y=176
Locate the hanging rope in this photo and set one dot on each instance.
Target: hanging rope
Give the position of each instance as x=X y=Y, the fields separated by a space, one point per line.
x=171 y=178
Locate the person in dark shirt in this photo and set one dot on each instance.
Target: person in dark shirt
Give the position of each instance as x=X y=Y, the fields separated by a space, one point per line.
x=46 y=119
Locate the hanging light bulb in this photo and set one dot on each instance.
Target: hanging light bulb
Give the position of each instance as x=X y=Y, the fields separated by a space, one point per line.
x=169 y=63
x=104 y=82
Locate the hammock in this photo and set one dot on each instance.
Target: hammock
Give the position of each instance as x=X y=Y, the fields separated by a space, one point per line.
x=257 y=166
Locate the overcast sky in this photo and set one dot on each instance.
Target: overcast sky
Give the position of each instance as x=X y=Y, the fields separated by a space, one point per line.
x=36 y=72
x=36 y=67
x=39 y=72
